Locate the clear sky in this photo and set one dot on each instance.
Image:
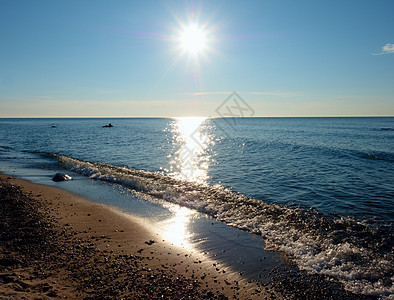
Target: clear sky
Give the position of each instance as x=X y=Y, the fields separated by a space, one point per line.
x=128 y=58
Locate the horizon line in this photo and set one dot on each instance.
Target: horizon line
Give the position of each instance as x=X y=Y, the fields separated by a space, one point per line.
x=208 y=117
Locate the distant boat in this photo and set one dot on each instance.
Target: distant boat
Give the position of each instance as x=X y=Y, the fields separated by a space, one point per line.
x=53 y=126
x=109 y=125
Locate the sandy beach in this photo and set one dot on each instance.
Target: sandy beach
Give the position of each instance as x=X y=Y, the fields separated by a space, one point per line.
x=56 y=245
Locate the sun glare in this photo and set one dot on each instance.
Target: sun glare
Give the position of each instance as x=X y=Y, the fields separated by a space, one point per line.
x=193 y=39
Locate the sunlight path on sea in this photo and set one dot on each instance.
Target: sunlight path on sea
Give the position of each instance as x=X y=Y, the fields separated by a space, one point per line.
x=190 y=160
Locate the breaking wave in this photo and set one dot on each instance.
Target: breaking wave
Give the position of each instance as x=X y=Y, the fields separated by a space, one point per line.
x=359 y=254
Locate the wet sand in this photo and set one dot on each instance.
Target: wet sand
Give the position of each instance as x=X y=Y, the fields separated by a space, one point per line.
x=55 y=244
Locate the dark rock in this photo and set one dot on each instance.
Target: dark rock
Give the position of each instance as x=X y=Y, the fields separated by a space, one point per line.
x=61 y=177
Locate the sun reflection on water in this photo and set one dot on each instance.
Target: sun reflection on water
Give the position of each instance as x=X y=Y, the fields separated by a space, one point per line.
x=176 y=230
x=190 y=160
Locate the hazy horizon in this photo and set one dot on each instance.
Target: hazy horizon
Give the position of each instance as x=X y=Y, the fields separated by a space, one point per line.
x=209 y=117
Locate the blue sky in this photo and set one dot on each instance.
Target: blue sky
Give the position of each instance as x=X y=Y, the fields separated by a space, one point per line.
x=123 y=58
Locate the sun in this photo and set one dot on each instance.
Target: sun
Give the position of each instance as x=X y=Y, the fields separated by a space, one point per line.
x=193 y=39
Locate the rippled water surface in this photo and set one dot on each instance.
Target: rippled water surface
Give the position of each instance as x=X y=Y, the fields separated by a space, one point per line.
x=333 y=164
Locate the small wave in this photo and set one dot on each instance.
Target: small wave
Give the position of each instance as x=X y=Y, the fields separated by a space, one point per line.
x=358 y=254
x=6 y=147
x=375 y=155
x=378 y=156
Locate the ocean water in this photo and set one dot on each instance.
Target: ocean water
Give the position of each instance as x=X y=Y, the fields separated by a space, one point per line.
x=318 y=190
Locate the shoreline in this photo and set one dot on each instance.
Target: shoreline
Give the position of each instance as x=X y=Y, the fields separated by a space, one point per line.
x=110 y=235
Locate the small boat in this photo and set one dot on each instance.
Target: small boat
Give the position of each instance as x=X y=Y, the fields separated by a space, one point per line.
x=109 y=125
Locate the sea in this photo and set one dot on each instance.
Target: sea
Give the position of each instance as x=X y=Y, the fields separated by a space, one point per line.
x=317 y=192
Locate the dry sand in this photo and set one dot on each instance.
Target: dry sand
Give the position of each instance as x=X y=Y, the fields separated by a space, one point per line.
x=55 y=244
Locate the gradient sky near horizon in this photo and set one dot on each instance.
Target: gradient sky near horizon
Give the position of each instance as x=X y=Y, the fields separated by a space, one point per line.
x=124 y=58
